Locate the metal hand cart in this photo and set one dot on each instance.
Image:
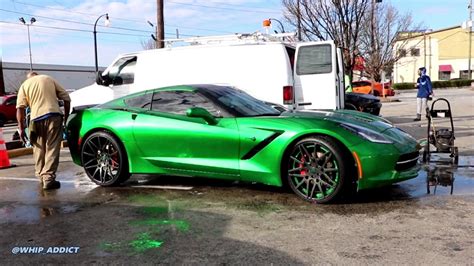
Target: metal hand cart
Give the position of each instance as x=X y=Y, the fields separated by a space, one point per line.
x=441 y=138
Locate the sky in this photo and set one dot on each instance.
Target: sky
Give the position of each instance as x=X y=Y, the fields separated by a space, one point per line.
x=62 y=33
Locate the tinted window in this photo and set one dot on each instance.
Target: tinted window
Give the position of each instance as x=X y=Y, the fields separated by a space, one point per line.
x=178 y=102
x=142 y=101
x=240 y=103
x=316 y=59
x=123 y=71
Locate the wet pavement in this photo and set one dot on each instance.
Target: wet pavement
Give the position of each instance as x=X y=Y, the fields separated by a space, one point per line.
x=171 y=220
x=195 y=221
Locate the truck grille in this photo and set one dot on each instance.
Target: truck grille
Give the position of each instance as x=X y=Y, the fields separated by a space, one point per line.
x=407 y=161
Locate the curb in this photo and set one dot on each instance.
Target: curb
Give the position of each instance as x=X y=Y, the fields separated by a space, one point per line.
x=26 y=151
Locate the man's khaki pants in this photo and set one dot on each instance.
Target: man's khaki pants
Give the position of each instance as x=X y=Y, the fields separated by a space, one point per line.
x=46 y=136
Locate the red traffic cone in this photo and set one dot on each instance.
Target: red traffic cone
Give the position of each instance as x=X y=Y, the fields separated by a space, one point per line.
x=4 y=160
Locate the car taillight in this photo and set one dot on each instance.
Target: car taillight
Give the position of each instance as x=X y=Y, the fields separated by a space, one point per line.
x=288 y=95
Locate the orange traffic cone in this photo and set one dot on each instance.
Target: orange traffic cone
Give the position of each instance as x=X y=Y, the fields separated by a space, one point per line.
x=4 y=160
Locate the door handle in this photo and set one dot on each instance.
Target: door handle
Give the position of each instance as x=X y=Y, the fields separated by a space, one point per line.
x=134 y=116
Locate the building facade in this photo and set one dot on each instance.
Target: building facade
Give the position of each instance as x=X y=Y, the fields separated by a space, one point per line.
x=444 y=53
x=70 y=77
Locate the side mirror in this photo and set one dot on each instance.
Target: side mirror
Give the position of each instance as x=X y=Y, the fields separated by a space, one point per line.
x=101 y=80
x=201 y=113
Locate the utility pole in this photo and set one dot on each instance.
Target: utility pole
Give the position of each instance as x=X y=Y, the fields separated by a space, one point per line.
x=372 y=44
x=2 y=83
x=299 y=20
x=160 y=24
x=374 y=52
x=470 y=39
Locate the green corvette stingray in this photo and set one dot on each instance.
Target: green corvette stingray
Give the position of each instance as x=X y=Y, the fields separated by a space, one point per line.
x=220 y=132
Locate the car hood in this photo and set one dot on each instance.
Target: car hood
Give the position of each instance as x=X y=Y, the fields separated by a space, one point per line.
x=401 y=139
x=372 y=122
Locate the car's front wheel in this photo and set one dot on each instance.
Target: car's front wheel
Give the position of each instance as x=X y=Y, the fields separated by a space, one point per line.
x=315 y=169
x=104 y=160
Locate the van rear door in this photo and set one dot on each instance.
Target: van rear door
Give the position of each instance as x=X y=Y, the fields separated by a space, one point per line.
x=316 y=76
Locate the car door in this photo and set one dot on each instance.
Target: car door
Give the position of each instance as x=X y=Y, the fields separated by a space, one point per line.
x=316 y=76
x=10 y=108
x=166 y=137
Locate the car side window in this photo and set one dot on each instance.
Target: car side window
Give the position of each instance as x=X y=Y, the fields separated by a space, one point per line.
x=123 y=71
x=142 y=101
x=178 y=102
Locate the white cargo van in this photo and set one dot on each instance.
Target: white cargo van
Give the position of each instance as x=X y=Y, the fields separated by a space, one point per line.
x=303 y=75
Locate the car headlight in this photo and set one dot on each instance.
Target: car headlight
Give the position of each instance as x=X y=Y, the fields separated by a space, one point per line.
x=366 y=133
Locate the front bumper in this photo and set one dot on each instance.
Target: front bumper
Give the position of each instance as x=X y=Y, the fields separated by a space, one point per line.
x=385 y=165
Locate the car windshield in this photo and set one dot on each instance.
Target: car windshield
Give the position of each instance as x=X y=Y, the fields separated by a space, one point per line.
x=240 y=103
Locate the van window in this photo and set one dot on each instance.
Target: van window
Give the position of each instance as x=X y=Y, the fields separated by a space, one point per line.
x=315 y=59
x=178 y=102
x=123 y=71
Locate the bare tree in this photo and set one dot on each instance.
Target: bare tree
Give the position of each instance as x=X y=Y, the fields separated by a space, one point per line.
x=377 y=48
x=349 y=24
x=149 y=44
x=338 y=20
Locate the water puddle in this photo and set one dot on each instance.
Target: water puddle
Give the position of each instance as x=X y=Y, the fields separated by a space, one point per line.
x=30 y=214
x=441 y=177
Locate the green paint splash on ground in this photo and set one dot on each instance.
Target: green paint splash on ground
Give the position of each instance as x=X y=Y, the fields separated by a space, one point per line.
x=154 y=210
x=144 y=242
x=182 y=226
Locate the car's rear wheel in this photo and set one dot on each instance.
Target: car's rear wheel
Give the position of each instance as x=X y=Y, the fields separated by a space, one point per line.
x=316 y=171
x=104 y=160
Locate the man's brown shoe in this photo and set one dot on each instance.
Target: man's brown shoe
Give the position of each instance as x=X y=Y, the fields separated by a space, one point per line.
x=51 y=185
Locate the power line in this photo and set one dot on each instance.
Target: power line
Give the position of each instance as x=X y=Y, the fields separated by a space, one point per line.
x=81 y=30
x=69 y=21
x=225 y=8
x=118 y=18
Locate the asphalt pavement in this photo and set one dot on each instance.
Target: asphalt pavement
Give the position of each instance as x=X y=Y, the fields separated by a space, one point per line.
x=168 y=220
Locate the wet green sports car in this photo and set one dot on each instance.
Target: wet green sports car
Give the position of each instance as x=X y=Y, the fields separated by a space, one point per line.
x=220 y=132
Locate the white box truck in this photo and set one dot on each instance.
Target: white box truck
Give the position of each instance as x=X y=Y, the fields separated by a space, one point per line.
x=298 y=75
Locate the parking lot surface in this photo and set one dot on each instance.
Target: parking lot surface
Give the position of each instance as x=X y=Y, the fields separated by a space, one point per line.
x=169 y=220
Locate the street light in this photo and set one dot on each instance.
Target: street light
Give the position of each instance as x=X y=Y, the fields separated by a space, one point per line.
x=268 y=23
x=32 y=20
x=107 y=23
x=153 y=35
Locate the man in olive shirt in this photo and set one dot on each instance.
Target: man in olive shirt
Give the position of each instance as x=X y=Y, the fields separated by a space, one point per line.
x=41 y=94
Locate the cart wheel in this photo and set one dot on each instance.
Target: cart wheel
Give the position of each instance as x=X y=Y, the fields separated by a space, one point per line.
x=456 y=156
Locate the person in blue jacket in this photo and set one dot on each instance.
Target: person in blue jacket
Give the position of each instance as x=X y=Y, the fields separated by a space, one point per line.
x=425 y=89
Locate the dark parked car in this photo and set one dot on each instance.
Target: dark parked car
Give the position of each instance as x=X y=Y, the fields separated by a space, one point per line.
x=354 y=101
x=7 y=108
x=363 y=102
